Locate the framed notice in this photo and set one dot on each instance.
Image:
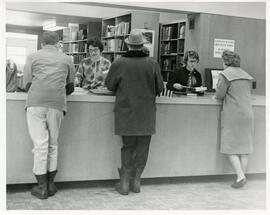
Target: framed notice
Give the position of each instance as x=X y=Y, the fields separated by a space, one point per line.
x=220 y=45
x=149 y=36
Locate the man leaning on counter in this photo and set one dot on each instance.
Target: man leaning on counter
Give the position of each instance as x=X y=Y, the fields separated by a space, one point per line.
x=48 y=77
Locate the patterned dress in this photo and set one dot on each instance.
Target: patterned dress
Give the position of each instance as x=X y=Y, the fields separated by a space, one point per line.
x=91 y=74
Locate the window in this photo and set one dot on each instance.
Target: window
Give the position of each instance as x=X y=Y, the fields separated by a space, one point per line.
x=18 y=46
x=17 y=54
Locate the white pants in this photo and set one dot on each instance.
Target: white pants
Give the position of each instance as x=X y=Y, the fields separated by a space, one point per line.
x=43 y=126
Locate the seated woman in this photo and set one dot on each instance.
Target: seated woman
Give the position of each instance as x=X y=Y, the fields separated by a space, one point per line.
x=11 y=76
x=92 y=70
x=187 y=77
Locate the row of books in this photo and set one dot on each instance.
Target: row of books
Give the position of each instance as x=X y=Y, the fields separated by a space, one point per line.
x=168 y=48
x=122 y=28
x=119 y=29
x=114 y=45
x=169 y=32
x=168 y=64
x=74 y=47
x=74 y=33
x=181 y=46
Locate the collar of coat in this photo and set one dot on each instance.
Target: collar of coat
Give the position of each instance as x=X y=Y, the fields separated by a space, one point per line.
x=135 y=53
x=193 y=72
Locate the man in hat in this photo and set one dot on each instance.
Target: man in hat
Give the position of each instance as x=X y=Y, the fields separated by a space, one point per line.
x=48 y=78
x=136 y=80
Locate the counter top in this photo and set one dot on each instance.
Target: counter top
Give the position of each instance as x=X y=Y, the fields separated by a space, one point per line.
x=207 y=99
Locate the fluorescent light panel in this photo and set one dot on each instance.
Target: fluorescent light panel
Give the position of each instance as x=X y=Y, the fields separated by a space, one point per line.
x=54 y=26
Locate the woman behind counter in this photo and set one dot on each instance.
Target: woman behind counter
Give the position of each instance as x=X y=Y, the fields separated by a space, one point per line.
x=92 y=70
x=186 y=76
x=233 y=88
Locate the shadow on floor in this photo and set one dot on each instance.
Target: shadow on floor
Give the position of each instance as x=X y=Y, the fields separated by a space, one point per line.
x=145 y=181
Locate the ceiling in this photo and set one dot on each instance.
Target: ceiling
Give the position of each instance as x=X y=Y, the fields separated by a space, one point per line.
x=37 y=13
x=39 y=19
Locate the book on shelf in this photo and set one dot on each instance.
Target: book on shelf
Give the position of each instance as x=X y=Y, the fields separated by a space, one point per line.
x=71 y=32
x=168 y=48
x=182 y=31
x=169 y=32
x=181 y=46
x=118 y=44
x=109 y=45
x=115 y=45
x=168 y=64
x=122 y=28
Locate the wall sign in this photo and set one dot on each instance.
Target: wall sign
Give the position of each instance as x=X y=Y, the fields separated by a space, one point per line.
x=220 y=45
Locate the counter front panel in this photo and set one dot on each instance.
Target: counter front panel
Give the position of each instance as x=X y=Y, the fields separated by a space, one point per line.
x=186 y=142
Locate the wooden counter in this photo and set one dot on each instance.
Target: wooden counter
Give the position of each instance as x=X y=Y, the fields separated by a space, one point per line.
x=186 y=142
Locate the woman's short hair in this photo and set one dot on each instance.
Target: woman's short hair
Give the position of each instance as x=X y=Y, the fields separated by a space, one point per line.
x=95 y=43
x=191 y=54
x=231 y=58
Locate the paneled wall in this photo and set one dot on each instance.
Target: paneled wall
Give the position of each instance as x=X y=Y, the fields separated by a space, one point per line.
x=249 y=37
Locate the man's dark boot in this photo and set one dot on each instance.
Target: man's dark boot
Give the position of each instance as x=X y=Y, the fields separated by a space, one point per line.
x=51 y=185
x=40 y=191
x=122 y=187
x=135 y=185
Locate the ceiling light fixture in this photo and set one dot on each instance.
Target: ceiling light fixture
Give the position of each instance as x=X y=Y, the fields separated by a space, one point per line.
x=54 y=26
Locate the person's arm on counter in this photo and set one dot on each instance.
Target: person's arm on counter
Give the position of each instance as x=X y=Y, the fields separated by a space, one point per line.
x=70 y=79
x=79 y=75
x=174 y=82
x=222 y=87
x=113 y=77
x=27 y=73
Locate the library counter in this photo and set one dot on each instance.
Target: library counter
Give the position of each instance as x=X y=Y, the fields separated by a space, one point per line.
x=186 y=142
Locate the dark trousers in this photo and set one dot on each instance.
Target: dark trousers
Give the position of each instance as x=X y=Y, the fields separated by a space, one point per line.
x=134 y=152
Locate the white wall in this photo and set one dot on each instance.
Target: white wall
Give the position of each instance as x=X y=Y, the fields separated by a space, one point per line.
x=240 y=9
x=171 y=17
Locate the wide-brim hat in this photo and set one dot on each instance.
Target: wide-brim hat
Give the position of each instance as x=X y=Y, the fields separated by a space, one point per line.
x=135 y=38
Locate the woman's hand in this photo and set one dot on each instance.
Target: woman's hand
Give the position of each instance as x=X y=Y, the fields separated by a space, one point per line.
x=177 y=86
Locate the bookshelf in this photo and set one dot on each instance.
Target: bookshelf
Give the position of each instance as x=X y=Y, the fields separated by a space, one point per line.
x=74 y=39
x=116 y=29
x=171 y=47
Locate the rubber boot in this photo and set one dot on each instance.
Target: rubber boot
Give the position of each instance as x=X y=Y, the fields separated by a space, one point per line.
x=122 y=187
x=40 y=191
x=135 y=185
x=52 y=189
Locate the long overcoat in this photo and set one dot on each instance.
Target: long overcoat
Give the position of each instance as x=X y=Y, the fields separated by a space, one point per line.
x=136 y=81
x=237 y=124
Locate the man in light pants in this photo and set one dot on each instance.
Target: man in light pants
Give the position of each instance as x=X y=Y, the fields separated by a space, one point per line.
x=48 y=78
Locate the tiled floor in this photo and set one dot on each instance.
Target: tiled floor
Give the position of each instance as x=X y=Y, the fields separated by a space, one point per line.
x=184 y=193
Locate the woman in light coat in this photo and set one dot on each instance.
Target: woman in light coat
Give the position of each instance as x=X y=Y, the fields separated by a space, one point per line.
x=233 y=88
